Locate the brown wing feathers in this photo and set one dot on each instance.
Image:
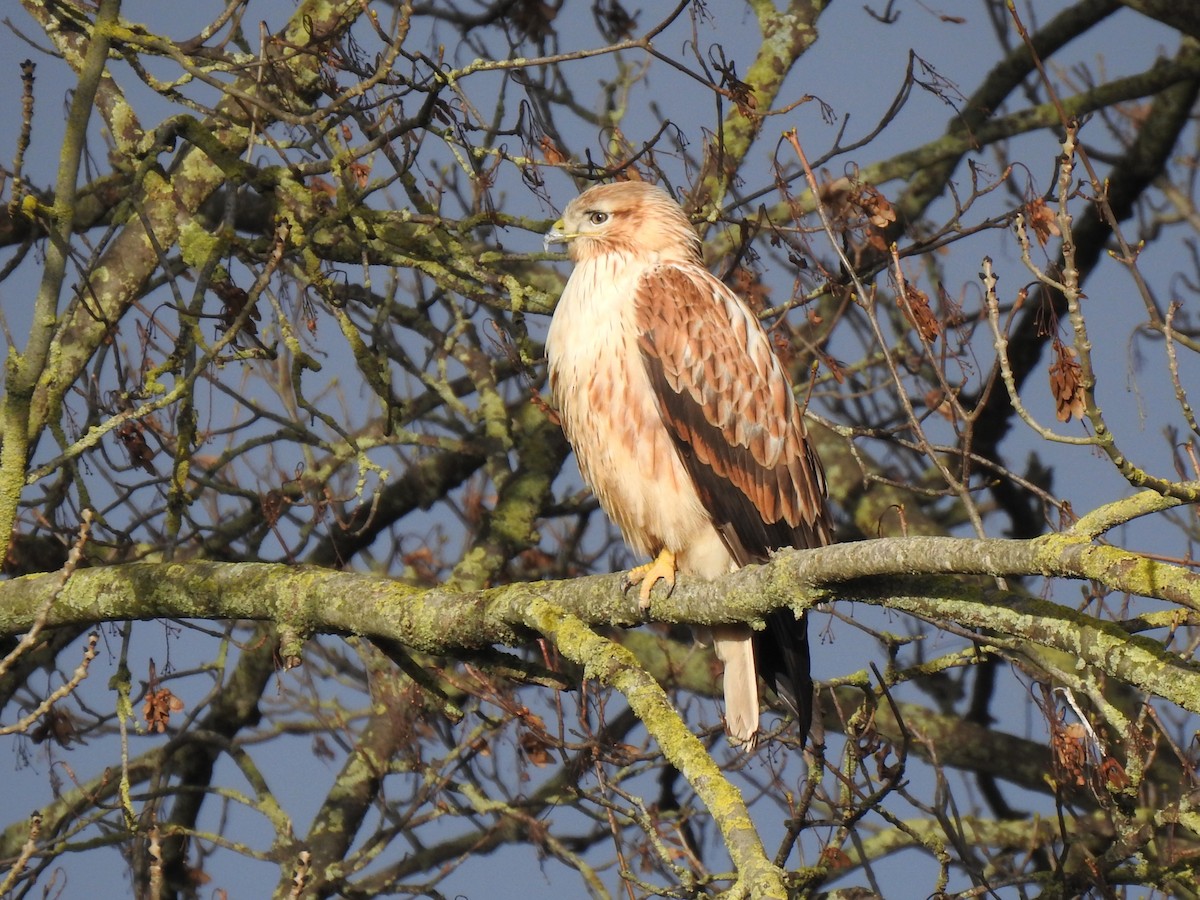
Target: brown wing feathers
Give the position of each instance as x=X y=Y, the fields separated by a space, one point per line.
x=729 y=409
x=730 y=412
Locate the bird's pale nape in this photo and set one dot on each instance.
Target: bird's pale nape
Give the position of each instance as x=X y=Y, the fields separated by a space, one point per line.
x=684 y=423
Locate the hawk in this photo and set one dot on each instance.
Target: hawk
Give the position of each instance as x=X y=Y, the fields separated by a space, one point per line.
x=684 y=424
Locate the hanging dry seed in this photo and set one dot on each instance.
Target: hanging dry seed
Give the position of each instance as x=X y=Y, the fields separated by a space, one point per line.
x=916 y=310
x=749 y=285
x=550 y=151
x=1041 y=220
x=159 y=703
x=878 y=208
x=535 y=744
x=1065 y=383
x=361 y=172
x=937 y=402
x=1069 y=753
x=131 y=434
x=157 y=709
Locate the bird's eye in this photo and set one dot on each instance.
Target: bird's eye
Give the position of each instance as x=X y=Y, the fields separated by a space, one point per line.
x=597 y=218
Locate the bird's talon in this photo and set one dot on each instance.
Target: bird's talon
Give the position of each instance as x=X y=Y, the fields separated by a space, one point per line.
x=661 y=569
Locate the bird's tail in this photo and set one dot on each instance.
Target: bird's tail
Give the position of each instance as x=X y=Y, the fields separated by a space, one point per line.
x=734 y=646
x=782 y=653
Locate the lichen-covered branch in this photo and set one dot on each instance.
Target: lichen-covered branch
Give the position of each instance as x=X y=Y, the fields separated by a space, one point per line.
x=910 y=574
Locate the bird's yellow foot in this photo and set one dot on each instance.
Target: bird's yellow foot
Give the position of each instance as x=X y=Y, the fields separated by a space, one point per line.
x=662 y=569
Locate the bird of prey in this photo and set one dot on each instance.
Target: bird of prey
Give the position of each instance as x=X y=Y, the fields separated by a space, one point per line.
x=684 y=424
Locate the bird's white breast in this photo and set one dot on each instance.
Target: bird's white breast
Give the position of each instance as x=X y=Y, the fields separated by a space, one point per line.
x=609 y=414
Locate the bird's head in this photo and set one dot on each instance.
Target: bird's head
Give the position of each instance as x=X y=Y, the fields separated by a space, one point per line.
x=627 y=217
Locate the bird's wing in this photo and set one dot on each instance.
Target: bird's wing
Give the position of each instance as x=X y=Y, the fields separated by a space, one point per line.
x=728 y=405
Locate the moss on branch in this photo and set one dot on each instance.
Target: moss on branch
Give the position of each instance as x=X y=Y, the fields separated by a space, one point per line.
x=907 y=574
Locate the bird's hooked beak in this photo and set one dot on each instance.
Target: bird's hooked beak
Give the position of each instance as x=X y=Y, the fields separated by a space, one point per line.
x=557 y=234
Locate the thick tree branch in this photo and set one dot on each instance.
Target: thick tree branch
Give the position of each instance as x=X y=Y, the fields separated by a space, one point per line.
x=901 y=573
